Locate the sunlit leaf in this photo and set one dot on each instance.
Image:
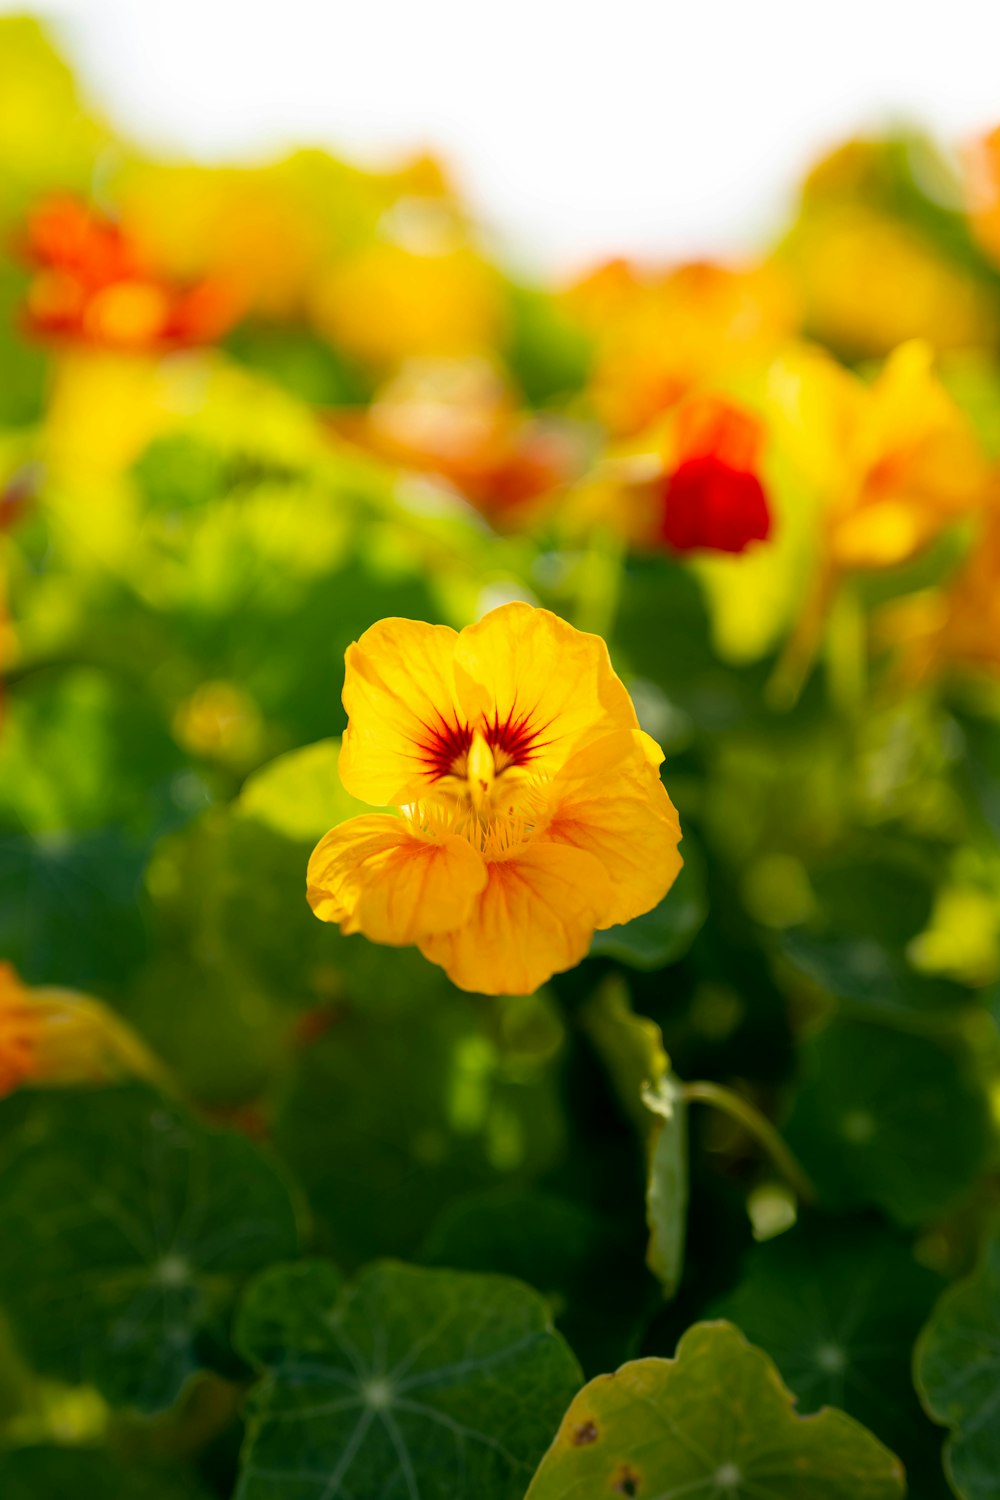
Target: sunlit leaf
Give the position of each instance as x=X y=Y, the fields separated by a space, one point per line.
x=715 y=1420
x=837 y=1306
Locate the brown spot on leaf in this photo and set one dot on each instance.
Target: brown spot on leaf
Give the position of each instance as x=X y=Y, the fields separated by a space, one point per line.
x=626 y=1481
x=584 y=1434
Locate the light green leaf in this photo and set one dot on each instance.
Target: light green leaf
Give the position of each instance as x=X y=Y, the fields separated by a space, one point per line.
x=300 y=794
x=667 y=1184
x=631 y=1047
x=715 y=1421
x=128 y=1227
x=413 y=1383
x=958 y=1377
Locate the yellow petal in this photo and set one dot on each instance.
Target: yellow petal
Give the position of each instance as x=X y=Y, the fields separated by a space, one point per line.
x=528 y=668
x=535 y=918
x=611 y=803
x=373 y=875
x=399 y=691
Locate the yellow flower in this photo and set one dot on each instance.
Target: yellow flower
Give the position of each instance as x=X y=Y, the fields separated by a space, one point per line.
x=895 y=462
x=530 y=808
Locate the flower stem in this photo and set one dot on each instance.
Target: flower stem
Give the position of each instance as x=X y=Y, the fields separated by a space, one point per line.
x=758 y=1126
x=599 y=585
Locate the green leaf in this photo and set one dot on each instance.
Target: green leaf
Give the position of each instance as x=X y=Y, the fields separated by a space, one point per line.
x=667 y=1185
x=889 y=1118
x=665 y=934
x=129 y=1226
x=51 y=1473
x=631 y=1047
x=69 y=907
x=413 y=1382
x=958 y=1376
x=300 y=794
x=401 y=1108
x=580 y=1260
x=838 y=1305
x=715 y=1421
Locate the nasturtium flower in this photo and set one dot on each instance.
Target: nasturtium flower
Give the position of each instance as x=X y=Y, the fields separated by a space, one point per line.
x=527 y=807
x=713 y=498
x=691 y=482
x=456 y=420
x=19 y=1029
x=94 y=284
x=55 y=1037
x=869 y=276
x=957 y=626
x=662 y=336
x=895 y=462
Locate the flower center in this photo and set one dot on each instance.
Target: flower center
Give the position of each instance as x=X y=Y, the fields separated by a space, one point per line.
x=481 y=788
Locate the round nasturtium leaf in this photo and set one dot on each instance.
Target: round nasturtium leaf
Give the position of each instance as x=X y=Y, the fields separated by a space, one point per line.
x=958 y=1375
x=838 y=1306
x=409 y=1382
x=128 y=1226
x=714 y=1421
x=889 y=1118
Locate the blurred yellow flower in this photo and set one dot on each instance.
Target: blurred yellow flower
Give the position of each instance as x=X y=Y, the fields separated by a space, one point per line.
x=388 y=302
x=530 y=809
x=895 y=461
x=869 y=277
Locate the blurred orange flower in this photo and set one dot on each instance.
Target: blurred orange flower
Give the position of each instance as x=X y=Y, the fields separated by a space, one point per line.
x=659 y=337
x=19 y=1029
x=530 y=810
x=690 y=483
x=457 y=419
x=93 y=284
x=958 y=625
x=52 y=1037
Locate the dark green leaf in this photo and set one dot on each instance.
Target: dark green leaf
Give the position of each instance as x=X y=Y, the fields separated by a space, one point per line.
x=958 y=1376
x=128 y=1227
x=889 y=1118
x=423 y=1383
x=838 y=1305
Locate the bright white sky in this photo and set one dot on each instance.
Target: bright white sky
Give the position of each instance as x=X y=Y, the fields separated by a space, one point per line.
x=576 y=129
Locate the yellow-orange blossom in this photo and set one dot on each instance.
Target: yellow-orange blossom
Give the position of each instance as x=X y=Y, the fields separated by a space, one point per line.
x=530 y=809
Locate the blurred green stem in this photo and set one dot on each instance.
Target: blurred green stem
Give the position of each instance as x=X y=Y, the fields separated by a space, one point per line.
x=758 y=1126
x=599 y=582
x=846 y=650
